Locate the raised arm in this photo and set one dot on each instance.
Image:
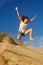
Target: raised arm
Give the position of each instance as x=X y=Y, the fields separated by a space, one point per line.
x=19 y=16
x=33 y=18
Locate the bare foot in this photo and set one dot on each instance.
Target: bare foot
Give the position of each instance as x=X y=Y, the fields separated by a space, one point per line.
x=31 y=38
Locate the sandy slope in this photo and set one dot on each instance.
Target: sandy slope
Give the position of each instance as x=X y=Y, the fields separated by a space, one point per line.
x=19 y=54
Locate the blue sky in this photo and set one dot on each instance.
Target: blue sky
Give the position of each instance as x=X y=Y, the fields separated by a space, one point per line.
x=38 y=42
x=9 y=21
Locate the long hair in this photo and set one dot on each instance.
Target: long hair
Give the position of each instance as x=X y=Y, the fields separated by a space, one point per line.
x=25 y=17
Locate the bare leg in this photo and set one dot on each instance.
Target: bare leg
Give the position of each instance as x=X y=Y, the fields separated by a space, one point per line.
x=29 y=32
x=19 y=36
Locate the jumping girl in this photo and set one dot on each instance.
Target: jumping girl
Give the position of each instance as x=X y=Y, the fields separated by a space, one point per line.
x=22 y=27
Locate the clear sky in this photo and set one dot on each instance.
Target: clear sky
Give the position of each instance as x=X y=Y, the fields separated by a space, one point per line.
x=9 y=21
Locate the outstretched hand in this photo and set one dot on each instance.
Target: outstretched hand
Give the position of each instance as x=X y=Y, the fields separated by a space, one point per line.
x=16 y=8
x=19 y=16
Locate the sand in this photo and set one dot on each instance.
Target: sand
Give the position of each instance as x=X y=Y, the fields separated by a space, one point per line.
x=19 y=54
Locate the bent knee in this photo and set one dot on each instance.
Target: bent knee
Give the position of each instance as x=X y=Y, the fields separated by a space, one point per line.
x=31 y=29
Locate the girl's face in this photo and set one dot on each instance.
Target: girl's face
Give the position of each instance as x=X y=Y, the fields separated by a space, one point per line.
x=26 y=21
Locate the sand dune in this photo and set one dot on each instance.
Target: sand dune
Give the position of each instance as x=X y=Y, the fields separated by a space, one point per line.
x=18 y=53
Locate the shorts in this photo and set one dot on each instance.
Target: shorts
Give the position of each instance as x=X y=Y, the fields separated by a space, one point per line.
x=21 y=33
